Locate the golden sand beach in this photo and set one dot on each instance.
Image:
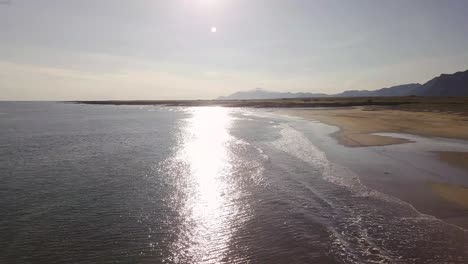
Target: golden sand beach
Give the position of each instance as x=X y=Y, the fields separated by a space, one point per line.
x=357 y=124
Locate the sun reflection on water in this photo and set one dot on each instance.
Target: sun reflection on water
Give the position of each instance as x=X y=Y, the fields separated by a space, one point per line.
x=205 y=208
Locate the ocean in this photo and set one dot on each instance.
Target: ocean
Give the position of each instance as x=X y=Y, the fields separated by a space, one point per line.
x=145 y=184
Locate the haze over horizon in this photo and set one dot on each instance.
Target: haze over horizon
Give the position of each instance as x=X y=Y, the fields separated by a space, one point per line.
x=202 y=49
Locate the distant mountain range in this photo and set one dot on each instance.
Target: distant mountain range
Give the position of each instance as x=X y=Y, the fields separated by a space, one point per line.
x=264 y=94
x=444 y=85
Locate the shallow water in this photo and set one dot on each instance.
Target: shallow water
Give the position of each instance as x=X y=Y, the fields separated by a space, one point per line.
x=119 y=184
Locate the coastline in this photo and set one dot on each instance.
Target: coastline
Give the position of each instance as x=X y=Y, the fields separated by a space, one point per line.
x=440 y=190
x=410 y=103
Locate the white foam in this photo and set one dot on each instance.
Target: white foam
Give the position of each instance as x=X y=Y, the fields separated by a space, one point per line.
x=296 y=144
x=299 y=146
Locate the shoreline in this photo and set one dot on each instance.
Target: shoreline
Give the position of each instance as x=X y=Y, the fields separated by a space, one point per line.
x=439 y=190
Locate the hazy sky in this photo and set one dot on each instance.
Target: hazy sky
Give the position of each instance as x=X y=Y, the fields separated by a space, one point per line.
x=150 y=49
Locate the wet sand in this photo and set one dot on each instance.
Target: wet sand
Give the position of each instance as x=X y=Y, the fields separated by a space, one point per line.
x=458 y=159
x=456 y=194
x=429 y=171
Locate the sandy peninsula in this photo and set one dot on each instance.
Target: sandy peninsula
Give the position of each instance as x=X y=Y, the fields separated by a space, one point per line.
x=358 y=124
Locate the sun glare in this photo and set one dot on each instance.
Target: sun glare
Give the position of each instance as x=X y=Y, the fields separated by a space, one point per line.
x=206 y=210
x=213 y=29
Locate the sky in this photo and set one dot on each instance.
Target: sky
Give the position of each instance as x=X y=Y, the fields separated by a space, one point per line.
x=155 y=49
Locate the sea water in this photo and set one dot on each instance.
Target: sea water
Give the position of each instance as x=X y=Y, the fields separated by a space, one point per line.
x=146 y=184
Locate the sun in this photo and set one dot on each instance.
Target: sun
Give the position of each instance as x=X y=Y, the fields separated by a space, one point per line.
x=213 y=29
